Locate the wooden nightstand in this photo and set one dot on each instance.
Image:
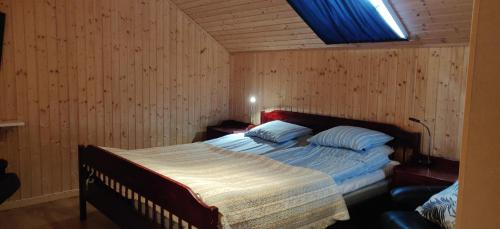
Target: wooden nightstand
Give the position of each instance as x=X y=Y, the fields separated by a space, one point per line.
x=225 y=128
x=441 y=172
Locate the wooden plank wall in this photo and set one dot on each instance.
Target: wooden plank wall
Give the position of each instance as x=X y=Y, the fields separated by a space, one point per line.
x=386 y=85
x=118 y=73
x=251 y=25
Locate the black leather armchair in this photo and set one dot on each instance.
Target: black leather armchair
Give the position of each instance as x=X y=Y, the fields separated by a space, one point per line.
x=9 y=182
x=405 y=200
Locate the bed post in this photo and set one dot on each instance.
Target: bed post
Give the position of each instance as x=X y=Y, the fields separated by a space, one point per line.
x=82 y=177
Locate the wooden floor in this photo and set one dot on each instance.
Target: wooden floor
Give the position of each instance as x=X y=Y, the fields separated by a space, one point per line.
x=65 y=214
x=58 y=214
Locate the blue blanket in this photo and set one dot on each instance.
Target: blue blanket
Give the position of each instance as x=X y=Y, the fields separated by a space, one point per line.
x=340 y=164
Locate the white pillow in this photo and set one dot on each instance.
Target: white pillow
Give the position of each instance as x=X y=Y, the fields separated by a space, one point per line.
x=442 y=207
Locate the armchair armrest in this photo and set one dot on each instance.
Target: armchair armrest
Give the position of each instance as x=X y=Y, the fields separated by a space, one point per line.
x=409 y=198
x=9 y=184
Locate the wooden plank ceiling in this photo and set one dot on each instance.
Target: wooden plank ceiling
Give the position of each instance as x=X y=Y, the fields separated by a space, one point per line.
x=251 y=25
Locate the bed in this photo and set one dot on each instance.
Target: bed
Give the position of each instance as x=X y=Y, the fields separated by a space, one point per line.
x=110 y=182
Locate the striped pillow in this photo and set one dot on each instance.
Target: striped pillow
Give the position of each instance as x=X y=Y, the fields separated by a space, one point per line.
x=442 y=207
x=278 y=131
x=350 y=137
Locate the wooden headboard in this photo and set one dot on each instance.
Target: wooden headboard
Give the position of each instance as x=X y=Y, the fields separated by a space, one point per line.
x=403 y=140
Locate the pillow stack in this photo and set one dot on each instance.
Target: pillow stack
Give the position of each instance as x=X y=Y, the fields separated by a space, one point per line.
x=360 y=150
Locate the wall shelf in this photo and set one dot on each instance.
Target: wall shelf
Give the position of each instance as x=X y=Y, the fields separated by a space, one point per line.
x=5 y=124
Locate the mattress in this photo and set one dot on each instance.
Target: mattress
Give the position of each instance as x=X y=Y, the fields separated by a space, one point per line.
x=368 y=179
x=253 y=145
x=366 y=193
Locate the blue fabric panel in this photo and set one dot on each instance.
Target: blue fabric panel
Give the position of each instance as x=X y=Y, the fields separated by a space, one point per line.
x=345 y=21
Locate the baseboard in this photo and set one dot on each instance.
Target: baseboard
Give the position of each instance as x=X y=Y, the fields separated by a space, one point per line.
x=38 y=200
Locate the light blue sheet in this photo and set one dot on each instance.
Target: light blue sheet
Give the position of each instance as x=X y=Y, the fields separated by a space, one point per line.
x=340 y=164
x=253 y=145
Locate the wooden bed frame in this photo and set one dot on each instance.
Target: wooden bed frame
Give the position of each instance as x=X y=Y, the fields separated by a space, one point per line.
x=114 y=185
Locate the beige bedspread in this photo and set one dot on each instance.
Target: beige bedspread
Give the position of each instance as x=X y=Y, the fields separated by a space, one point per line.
x=250 y=191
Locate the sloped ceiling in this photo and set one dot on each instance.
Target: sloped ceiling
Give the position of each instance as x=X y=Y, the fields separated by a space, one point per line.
x=251 y=25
